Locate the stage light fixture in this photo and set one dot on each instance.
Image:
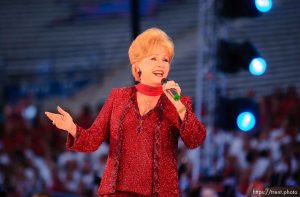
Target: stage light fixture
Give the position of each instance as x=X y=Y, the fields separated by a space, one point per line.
x=232 y=57
x=258 y=66
x=245 y=121
x=263 y=5
x=237 y=113
x=238 y=8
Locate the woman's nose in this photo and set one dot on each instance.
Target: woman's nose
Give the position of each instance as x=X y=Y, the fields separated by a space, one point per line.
x=161 y=63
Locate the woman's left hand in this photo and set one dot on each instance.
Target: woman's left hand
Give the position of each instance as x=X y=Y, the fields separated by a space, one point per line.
x=168 y=86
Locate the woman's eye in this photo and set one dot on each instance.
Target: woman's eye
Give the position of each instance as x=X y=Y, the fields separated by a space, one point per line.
x=165 y=60
x=153 y=58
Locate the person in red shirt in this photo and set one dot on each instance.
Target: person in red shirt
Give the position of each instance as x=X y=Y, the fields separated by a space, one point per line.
x=143 y=124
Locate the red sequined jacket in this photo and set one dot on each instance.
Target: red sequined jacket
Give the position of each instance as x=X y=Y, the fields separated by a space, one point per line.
x=109 y=124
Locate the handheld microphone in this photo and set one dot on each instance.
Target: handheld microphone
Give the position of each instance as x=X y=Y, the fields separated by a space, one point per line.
x=171 y=91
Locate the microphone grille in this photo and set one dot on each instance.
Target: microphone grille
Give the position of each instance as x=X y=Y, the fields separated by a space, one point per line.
x=164 y=80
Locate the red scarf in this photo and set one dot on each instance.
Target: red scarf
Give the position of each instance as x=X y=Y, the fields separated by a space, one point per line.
x=149 y=90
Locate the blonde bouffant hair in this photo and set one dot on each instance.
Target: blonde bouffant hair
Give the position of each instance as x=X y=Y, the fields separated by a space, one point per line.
x=144 y=43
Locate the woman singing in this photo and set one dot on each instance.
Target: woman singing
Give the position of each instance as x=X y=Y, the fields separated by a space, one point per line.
x=143 y=124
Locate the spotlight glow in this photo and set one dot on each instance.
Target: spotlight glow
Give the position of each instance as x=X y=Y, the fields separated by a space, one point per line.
x=245 y=121
x=257 y=66
x=29 y=112
x=263 y=5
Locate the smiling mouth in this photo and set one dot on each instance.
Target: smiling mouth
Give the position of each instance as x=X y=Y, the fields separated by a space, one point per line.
x=158 y=75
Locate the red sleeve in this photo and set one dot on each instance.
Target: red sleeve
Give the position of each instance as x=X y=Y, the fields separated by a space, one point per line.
x=88 y=140
x=191 y=130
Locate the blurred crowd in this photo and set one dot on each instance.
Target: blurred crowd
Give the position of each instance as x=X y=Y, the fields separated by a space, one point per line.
x=33 y=157
x=242 y=162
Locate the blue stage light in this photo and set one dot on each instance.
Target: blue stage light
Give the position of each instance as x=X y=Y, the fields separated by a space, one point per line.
x=263 y=5
x=257 y=66
x=29 y=112
x=245 y=121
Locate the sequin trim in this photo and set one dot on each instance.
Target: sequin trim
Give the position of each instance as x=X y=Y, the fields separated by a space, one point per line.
x=156 y=152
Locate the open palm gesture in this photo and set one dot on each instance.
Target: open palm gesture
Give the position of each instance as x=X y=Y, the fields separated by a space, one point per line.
x=63 y=121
